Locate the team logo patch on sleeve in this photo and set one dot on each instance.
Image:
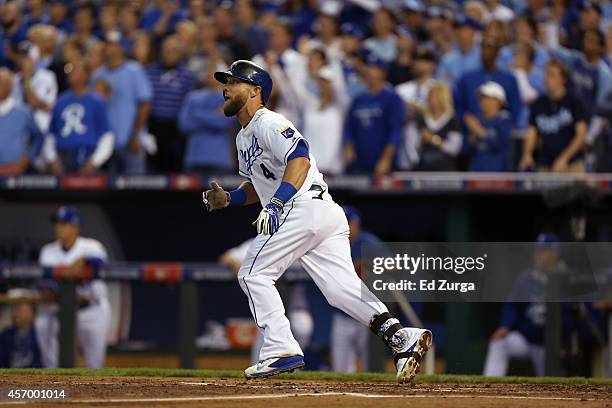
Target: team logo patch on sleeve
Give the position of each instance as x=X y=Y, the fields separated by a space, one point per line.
x=287 y=132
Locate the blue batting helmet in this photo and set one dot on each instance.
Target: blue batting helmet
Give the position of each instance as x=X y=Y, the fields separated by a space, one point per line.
x=250 y=72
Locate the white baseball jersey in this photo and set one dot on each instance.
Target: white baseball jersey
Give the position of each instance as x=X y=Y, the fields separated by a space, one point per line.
x=263 y=147
x=52 y=254
x=313 y=231
x=93 y=321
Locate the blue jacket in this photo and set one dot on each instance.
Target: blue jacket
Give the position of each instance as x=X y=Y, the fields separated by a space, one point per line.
x=372 y=123
x=494 y=152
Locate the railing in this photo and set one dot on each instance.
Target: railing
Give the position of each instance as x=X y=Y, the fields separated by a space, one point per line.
x=407 y=182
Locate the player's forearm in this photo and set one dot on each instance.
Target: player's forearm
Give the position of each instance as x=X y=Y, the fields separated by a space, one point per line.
x=251 y=194
x=296 y=172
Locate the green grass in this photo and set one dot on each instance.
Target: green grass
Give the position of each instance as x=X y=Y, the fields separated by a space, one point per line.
x=307 y=375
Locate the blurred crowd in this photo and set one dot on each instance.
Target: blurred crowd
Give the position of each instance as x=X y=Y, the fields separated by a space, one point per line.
x=125 y=86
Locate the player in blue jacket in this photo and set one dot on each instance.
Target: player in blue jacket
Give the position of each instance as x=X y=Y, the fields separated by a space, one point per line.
x=373 y=123
x=80 y=139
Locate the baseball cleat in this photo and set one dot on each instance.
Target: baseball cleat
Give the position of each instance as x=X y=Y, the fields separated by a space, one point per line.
x=408 y=361
x=274 y=366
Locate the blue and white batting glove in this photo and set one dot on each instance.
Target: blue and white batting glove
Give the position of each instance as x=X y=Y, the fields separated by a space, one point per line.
x=269 y=218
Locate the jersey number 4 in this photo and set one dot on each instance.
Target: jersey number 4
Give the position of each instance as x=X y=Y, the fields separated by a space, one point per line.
x=267 y=172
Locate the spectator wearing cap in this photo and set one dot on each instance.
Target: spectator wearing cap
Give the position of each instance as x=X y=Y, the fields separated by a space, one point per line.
x=465 y=57
x=320 y=89
x=591 y=77
x=249 y=27
x=207 y=129
x=490 y=141
x=437 y=136
x=557 y=127
x=171 y=81
x=20 y=136
x=439 y=26
x=19 y=346
x=497 y=11
x=384 y=41
x=34 y=87
x=352 y=63
x=79 y=139
x=76 y=253
x=466 y=92
x=128 y=106
x=373 y=124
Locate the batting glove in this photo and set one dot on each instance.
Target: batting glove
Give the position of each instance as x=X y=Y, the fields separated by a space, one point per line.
x=216 y=198
x=269 y=219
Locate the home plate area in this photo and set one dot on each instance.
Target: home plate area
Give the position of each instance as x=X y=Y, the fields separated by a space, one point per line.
x=123 y=391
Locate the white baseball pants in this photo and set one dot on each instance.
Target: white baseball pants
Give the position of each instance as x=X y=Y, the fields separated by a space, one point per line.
x=314 y=232
x=513 y=345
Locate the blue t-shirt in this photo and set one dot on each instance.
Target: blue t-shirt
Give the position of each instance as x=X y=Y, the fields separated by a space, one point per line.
x=129 y=87
x=373 y=122
x=78 y=121
x=494 y=152
x=19 y=135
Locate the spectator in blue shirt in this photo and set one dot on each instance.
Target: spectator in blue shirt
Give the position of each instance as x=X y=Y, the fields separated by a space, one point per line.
x=19 y=346
x=207 y=129
x=171 y=81
x=20 y=137
x=162 y=20
x=465 y=57
x=128 y=106
x=246 y=15
x=58 y=16
x=374 y=123
x=79 y=134
x=466 y=91
x=490 y=143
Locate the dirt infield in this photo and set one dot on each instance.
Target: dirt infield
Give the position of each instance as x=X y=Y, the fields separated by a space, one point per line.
x=130 y=392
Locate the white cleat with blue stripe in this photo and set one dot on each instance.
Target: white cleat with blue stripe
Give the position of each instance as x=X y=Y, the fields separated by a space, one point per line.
x=408 y=361
x=274 y=366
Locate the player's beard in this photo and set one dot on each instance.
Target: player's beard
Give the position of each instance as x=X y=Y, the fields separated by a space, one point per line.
x=233 y=106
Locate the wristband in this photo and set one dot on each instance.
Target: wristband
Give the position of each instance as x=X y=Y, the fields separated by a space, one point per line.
x=236 y=197
x=283 y=194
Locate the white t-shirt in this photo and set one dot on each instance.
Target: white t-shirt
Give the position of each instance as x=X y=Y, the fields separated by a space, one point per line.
x=52 y=255
x=263 y=147
x=44 y=86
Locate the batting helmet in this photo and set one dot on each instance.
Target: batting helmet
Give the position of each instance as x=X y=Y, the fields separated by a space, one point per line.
x=250 y=72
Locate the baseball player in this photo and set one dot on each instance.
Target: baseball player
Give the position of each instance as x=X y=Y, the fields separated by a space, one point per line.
x=94 y=315
x=300 y=222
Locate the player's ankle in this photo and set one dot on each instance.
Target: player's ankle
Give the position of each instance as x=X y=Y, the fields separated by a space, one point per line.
x=389 y=329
